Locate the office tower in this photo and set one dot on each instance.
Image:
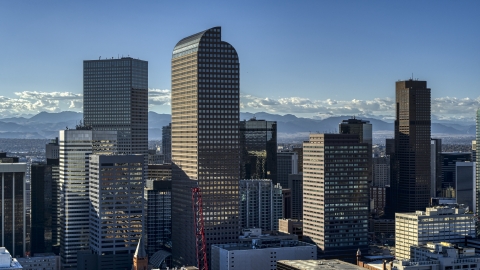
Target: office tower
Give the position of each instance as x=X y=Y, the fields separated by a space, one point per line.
x=286 y=203
x=295 y=182
x=154 y=157
x=437 y=224
x=378 y=198
x=52 y=150
x=381 y=171
x=411 y=184
x=435 y=167
x=287 y=163
x=477 y=168
x=43 y=209
x=465 y=184
x=75 y=148
x=205 y=143
x=116 y=208
x=167 y=143
x=115 y=98
x=474 y=151
x=448 y=167
x=158 y=215
x=260 y=204
x=258 y=143
x=159 y=171
x=335 y=193
x=357 y=126
x=13 y=211
x=299 y=151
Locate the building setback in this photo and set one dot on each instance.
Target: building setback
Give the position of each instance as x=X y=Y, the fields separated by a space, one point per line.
x=205 y=141
x=335 y=193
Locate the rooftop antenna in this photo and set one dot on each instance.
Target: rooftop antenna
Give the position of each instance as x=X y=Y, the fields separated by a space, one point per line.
x=99 y=57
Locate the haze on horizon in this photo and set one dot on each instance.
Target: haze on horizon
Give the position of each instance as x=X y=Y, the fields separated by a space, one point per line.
x=312 y=59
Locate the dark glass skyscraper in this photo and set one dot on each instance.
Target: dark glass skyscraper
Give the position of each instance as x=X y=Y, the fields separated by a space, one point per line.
x=205 y=141
x=258 y=142
x=410 y=184
x=167 y=143
x=115 y=97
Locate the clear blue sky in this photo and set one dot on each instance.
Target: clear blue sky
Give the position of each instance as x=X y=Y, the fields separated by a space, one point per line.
x=294 y=54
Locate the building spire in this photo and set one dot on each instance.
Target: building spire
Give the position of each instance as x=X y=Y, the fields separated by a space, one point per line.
x=140 y=252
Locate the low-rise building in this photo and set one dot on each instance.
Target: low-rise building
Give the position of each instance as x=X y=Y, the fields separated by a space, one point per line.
x=260 y=253
x=44 y=261
x=316 y=265
x=6 y=260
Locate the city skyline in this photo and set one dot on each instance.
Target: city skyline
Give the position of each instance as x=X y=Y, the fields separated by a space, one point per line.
x=313 y=59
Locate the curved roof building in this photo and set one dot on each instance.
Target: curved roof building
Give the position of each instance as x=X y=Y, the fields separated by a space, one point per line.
x=205 y=141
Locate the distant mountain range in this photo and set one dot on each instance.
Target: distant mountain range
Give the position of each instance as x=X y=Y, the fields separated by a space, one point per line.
x=46 y=125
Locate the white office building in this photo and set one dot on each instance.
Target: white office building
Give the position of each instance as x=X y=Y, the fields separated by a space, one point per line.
x=75 y=148
x=436 y=224
x=260 y=254
x=260 y=204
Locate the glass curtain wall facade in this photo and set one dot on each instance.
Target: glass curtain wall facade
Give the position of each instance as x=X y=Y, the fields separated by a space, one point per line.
x=258 y=142
x=167 y=143
x=205 y=143
x=75 y=148
x=410 y=185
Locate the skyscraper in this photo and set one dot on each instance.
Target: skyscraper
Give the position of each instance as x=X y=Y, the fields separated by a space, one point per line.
x=167 y=143
x=335 y=193
x=477 y=168
x=260 y=204
x=205 y=143
x=410 y=185
x=75 y=148
x=116 y=208
x=14 y=223
x=287 y=163
x=258 y=142
x=115 y=98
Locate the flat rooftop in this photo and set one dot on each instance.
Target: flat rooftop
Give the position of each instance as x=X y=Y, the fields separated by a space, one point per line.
x=319 y=264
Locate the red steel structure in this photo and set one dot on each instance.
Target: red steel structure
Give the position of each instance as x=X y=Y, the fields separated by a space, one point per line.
x=202 y=261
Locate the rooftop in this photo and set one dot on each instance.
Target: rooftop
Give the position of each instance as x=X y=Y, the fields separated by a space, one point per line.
x=320 y=264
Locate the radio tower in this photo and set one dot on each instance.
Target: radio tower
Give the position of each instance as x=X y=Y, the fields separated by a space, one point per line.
x=202 y=262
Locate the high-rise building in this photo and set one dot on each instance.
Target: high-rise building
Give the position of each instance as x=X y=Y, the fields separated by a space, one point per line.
x=449 y=169
x=75 y=148
x=116 y=208
x=335 y=193
x=465 y=184
x=52 y=150
x=260 y=204
x=477 y=168
x=258 y=142
x=295 y=182
x=205 y=141
x=411 y=184
x=436 y=167
x=13 y=211
x=158 y=215
x=381 y=171
x=439 y=224
x=299 y=151
x=43 y=209
x=115 y=98
x=357 y=126
x=167 y=143
x=287 y=163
